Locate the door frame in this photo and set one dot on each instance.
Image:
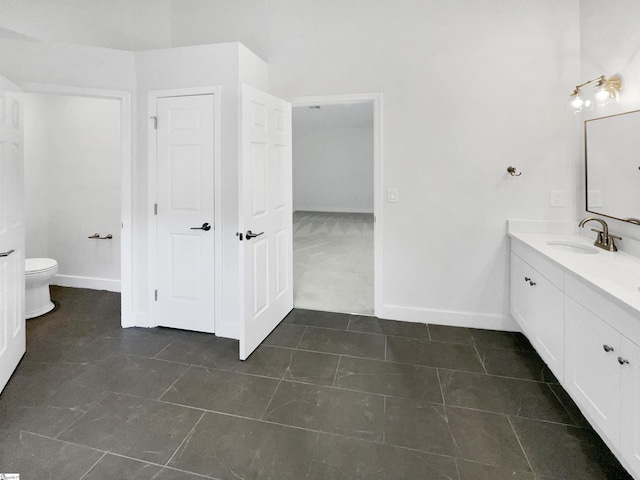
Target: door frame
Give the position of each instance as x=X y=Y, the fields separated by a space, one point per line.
x=152 y=155
x=376 y=100
x=127 y=313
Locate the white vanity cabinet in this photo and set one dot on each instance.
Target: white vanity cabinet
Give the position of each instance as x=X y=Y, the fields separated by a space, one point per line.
x=602 y=371
x=538 y=306
x=588 y=337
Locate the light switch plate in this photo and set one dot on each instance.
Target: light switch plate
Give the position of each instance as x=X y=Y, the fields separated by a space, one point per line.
x=392 y=195
x=556 y=198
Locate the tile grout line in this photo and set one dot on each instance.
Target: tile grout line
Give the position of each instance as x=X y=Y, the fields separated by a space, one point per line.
x=384 y=420
x=313 y=456
x=455 y=462
x=115 y=454
x=335 y=376
x=92 y=466
x=475 y=349
x=520 y=444
x=386 y=342
x=187 y=438
x=261 y=419
x=301 y=337
x=444 y=401
x=165 y=347
x=573 y=420
x=104 y=395
x=175 y=381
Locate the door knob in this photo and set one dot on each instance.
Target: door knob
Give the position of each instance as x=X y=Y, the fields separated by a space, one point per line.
x=205 y=226
x=6 y=254
x=249 y=235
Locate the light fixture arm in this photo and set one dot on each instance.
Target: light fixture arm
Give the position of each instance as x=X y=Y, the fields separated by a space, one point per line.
x=612 y=84
x=601 y=81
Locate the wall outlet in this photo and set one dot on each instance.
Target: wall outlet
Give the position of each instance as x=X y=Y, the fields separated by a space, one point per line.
x=392 y=195
x=556 y=198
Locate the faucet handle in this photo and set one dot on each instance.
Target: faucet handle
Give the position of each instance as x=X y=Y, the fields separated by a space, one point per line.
x=600 y=235
x=611 y=235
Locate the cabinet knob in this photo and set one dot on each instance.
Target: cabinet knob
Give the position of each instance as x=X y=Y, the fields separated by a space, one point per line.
x=527 y=279
x=607 y=348
x=623 y=361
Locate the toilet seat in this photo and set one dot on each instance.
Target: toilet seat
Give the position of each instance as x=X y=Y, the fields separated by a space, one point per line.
x=39 y=265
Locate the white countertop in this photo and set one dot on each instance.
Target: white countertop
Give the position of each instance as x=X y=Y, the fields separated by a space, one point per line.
x=615 y=273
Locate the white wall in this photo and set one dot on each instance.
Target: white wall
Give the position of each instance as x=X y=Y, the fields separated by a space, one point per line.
x=333 y=169
x=120 y=24
x=72 y=187
x=610 y=43
x=69 y=65
x=469 y=88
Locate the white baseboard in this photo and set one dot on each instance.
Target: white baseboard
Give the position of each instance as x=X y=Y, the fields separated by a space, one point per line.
x=333 y=210
x=86 y=282
x=450 y=318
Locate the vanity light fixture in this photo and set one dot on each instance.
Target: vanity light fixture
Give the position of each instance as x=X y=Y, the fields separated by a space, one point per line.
x=606 y=90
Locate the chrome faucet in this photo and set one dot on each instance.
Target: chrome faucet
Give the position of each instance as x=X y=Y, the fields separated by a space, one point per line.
x=605 y=240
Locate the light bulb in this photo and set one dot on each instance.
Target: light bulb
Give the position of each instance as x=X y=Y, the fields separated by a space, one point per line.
x=577 y=102
x=602 y=95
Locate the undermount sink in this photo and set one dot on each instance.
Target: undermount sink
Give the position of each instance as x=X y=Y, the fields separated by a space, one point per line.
x=572 y=247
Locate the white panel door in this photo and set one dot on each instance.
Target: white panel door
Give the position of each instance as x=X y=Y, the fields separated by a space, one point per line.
x=185 y=208
x=12 y=322
x=265 y=216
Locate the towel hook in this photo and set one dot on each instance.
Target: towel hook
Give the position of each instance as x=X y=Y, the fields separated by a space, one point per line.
x=512 y=172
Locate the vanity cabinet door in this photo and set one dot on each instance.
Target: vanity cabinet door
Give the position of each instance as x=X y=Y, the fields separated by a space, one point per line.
x=592 y=374
x=520 y=295
x=538 y=306
x=630 y=403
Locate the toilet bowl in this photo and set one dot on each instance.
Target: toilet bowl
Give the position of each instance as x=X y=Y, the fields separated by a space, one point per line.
x=38 y=274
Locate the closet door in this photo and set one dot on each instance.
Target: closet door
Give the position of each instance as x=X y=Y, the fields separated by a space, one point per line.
x=185 y=208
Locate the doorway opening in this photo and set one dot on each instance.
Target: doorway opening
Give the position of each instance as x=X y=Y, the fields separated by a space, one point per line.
x=335 y=173
x=117 y=277
x=73 y=187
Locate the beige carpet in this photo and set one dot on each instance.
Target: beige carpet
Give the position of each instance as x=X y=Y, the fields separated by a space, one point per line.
x=333 y=262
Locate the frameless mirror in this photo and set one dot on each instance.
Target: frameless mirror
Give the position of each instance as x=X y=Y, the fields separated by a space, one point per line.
x=612 y=166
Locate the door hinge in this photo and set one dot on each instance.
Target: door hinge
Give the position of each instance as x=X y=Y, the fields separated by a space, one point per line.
x=155 y=295
x=155 y=122
x=155 y=209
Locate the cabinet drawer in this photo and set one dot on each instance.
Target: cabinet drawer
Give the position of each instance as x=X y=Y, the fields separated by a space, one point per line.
x=604 y=307
x=552 y=271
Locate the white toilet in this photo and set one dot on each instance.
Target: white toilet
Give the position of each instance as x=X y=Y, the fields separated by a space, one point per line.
x=38 y=274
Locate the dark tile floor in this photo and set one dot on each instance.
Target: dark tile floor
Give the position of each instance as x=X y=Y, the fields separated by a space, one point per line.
x=327 y=397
